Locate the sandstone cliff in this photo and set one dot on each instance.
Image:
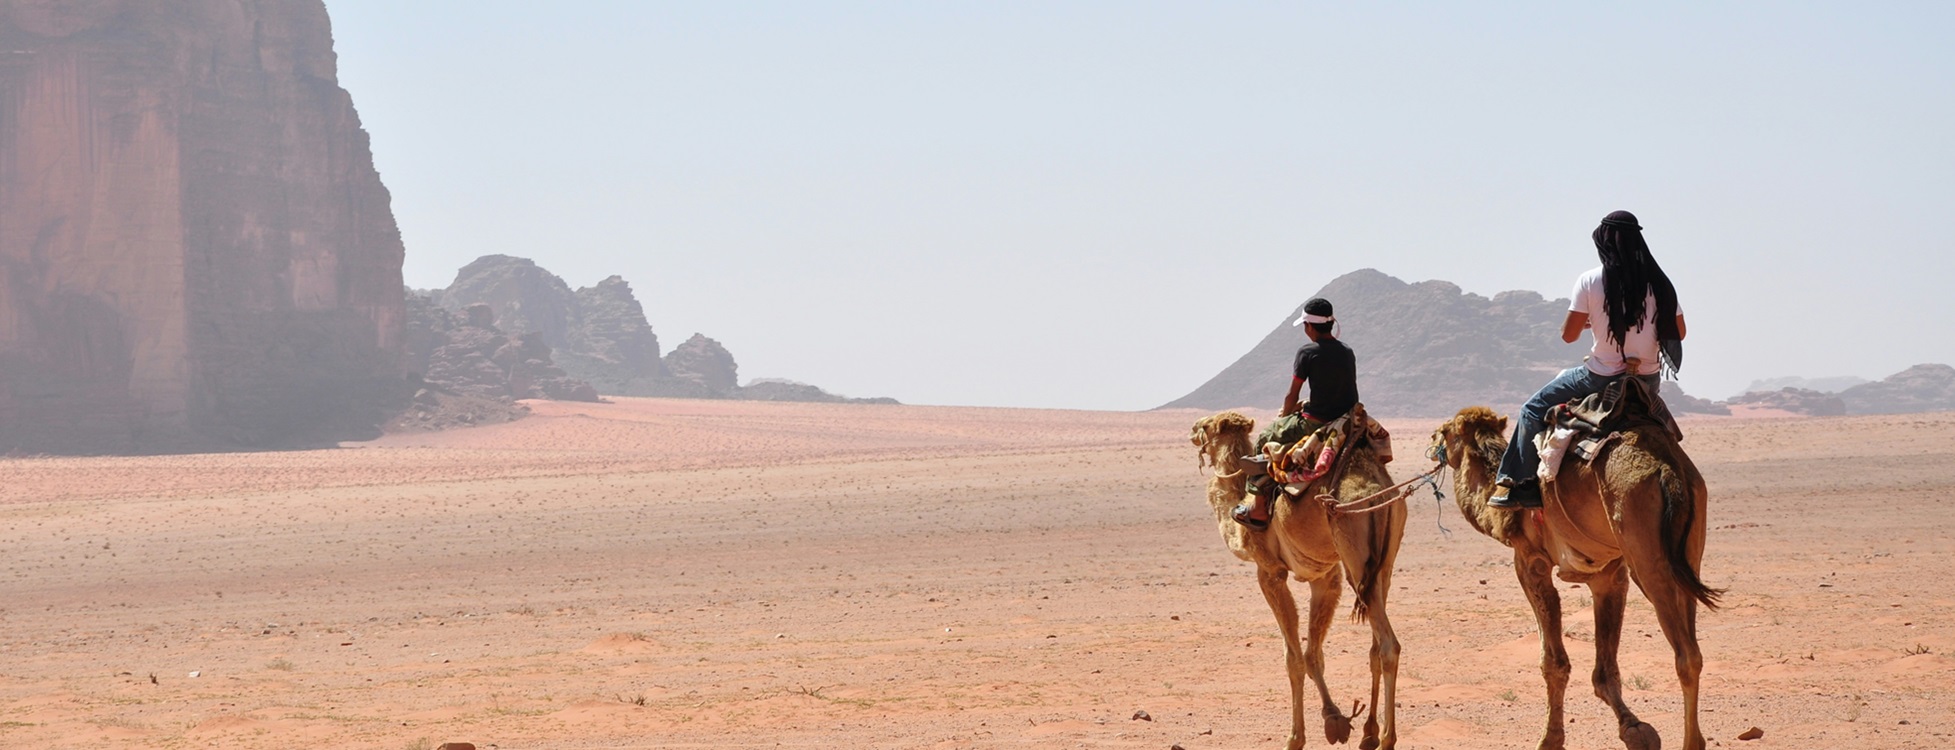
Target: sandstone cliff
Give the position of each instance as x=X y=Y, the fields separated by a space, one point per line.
x=194 y=244
x=1424 y=349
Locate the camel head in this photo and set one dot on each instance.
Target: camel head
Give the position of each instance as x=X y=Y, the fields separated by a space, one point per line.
x=1477 y=433
x=1474 y=430
x=1222 y=439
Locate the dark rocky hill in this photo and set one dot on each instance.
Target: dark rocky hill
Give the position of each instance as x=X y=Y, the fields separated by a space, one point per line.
x=1424 y=349
x=1929 y=387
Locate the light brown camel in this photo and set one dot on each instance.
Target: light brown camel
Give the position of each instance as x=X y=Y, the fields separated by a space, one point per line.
x=1636 y=514
x=1307 y=540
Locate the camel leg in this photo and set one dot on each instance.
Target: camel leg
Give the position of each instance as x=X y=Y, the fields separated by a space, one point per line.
x=1323 y=606
x=1384 y=668
x=1537 y=582
x=1676 y=612
x=1276 y=591
x=1611 y=590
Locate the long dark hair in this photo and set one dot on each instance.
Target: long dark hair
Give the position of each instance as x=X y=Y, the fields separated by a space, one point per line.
x=1629 y=275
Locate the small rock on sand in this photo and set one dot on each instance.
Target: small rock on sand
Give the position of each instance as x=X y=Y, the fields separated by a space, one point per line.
x=1142 y=716
x=1752 y=734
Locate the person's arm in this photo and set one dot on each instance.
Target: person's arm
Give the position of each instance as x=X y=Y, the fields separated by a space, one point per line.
x=1571 y=328
x=1680 y=331
x=1290 y=399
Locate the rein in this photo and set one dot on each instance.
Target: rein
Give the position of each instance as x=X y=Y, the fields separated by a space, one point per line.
x=1364 y=504
x=1404 y=489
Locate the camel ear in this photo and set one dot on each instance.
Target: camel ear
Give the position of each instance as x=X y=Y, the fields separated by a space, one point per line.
x=1503 y=425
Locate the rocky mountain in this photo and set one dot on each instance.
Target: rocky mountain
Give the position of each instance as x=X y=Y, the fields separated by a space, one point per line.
x=599 y=335
x=1919 y=388
x=195 y=248
x=1424 y=349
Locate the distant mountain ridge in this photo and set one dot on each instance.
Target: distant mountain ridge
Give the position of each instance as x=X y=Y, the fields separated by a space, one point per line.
x=1926 y=387
x=1424 y=349
x=1427 y=349
x=1822 y=385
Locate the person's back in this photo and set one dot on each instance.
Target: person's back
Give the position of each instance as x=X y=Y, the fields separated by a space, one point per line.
x=1331 y=370
x=1630 y=309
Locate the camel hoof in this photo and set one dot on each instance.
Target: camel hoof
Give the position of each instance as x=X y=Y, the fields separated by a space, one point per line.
x=1369 y=743
x=1640 y=736
x=1296 y=742
x=1337 y=729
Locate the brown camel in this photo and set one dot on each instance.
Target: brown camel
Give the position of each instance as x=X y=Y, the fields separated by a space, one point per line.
x=1306 y=539
x=1636 y=513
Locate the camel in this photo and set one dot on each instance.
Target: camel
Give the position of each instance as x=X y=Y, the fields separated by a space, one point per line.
x=1636 y=513
x=1309 y=541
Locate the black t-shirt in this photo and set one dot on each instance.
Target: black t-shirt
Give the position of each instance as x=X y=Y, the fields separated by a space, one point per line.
x=1331 y=369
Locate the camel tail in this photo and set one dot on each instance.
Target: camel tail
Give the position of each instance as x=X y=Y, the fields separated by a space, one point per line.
x=1679 y=518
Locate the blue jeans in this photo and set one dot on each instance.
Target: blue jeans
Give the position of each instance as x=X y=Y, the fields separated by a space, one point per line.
x=1521 y=461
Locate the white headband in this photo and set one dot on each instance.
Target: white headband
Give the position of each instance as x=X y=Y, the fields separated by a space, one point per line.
x=1308 y=318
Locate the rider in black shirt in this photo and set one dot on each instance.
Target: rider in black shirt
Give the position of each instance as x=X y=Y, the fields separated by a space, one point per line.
x=1331 y=369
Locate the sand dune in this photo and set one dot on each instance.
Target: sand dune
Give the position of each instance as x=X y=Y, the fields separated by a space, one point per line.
x=657 y=573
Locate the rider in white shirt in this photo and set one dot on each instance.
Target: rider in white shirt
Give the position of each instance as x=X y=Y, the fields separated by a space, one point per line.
x=1631 y=311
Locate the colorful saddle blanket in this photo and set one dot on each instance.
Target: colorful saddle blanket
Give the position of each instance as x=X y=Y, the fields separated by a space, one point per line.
x=1313 y=457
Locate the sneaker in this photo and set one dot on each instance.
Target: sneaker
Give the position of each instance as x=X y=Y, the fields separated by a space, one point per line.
x=1522 y=495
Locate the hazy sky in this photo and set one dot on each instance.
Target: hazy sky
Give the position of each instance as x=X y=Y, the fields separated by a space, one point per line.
x=1100 y=205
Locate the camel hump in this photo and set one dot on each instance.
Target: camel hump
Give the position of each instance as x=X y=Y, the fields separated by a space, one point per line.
x=1625 y=404
x=1583 y=428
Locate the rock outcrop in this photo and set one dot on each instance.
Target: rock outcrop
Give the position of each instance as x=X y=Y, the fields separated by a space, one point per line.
x=704 y=363
x=468 y=355
x=614 y=347
x=1424 y=349
x=1684 y=403
x=1919 y=388
x=599 y=335
x=195 y=248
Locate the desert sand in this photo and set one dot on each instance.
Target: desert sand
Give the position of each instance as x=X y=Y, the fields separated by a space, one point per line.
x=654 y=573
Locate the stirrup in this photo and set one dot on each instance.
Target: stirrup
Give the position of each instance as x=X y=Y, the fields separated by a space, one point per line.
x=1241 y=516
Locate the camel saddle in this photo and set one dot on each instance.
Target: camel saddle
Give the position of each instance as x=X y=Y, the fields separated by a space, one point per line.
x=1583 y=427
x=1326 y=450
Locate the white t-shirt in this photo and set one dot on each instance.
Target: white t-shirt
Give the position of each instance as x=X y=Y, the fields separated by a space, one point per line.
x=1604 y=358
